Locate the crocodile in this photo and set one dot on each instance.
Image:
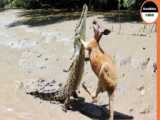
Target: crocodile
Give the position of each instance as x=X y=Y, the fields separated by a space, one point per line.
x=75 y=71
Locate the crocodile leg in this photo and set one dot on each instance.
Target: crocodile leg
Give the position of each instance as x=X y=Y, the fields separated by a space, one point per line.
x=74 y=52
x=66 y=105
x=67 y=70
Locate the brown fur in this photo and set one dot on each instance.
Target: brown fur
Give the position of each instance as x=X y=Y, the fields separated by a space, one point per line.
x=102 y=65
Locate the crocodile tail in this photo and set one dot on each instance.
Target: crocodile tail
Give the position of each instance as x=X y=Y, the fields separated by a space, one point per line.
x=58 y=95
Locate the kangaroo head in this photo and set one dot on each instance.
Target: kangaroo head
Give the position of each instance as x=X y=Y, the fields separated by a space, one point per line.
x=94 y=42
x=99 y=31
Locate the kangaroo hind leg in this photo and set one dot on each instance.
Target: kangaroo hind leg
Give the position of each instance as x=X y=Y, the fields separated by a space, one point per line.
x=95 y=96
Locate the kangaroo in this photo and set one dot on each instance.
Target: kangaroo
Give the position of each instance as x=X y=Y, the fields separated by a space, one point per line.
x=102 y=65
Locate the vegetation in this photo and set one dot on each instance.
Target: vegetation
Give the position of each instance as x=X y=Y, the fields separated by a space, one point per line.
x=72 y=4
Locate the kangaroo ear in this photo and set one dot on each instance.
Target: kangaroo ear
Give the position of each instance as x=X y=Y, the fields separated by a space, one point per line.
x=99 y=29
x=95 y=28
x=106 y=32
